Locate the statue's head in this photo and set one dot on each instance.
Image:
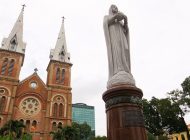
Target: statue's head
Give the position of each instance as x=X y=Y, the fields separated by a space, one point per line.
x=113 y=9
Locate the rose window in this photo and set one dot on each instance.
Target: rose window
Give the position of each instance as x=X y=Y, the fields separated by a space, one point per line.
x=30 y=106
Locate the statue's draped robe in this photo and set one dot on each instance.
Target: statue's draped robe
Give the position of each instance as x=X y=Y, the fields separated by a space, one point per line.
x=117 y=41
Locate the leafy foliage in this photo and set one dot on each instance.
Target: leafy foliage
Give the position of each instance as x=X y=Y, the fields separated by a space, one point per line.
x=150 y=136
x=27 y=136
x=152 y=117
x=12 y=128
x=166 y=115
x=162 y=117
x=85 y=131
x=99 y=138
x=181 y=98
x=74 y=132
x=58 y=135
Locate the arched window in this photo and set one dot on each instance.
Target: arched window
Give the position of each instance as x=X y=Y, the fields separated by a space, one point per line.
x=55 y=109
x=4 y=66
x=54 y=126
x=11 y=66
x=60 y=110
x=13 y=43
x=34 y=125
x=2 y=103
x=58 y=75
x=59 y=125
x=22 y=121
x=183 y=137
x=27 y=126
x=62 y=75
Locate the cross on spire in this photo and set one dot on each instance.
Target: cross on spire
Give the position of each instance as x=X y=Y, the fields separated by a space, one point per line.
x=23 y=7
x=63 y=18
x=35 y=70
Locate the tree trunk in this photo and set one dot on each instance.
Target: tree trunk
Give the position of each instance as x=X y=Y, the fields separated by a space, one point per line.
x=186 y=128
x=157 y=138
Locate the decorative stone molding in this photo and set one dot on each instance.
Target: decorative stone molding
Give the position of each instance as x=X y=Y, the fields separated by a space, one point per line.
x=62 y=87
x=6 y=53
x=10 y=79
x=123 y=99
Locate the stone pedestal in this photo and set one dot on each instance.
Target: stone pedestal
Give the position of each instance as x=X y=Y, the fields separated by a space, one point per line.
x=124 y=113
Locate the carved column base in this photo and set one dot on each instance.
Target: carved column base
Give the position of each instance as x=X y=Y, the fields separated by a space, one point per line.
x=124 y=113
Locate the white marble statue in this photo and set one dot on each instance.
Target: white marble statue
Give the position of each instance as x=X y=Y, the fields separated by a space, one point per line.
x=117 y=41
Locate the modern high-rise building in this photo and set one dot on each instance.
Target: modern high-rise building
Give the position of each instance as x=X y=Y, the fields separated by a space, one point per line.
x=40 y=106
x=83 y=113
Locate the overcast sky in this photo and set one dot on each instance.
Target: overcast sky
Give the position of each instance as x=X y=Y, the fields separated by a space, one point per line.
x=159 y=33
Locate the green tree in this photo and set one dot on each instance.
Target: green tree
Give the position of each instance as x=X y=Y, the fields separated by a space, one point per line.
x=181 y=98
x=85 y=131
x=100 y=138
x=150 y=136
x=74 y=132
x=27 y=136
x=162 y=138
x=12 y=129
x=58 y=135
x=170 y=112
x=7 y=137
x=152 y=117
x=77 y=128
x=70 y=133
x=162 y=117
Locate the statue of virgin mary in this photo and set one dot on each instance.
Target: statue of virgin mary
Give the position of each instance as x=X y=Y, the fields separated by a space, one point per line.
x=118 y=48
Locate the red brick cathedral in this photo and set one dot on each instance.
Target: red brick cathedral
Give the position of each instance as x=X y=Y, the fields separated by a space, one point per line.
x=41 y=107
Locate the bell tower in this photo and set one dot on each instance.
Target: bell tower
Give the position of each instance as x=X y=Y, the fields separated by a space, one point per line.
x=59 y=83
x=59 y=65
x=12 y=53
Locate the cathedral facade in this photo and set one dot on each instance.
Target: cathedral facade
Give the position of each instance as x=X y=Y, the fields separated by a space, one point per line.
x=40 y=106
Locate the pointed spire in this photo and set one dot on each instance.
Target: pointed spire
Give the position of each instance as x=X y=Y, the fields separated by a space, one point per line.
x=15 y=40
x=23 y=7
x=60 y=52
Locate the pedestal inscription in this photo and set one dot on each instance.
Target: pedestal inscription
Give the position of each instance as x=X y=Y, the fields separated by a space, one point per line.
x=132 y=118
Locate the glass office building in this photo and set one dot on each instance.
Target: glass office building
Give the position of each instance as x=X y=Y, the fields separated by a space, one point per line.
x=83 y=113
